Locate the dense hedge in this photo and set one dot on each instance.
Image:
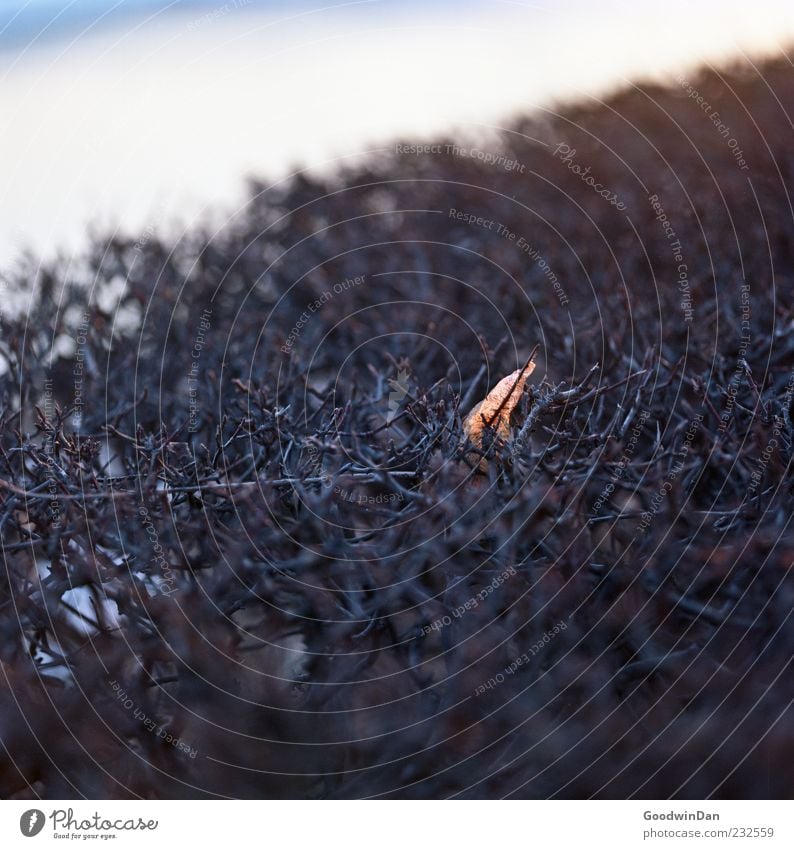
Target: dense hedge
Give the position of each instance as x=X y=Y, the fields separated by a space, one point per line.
x=245 y=554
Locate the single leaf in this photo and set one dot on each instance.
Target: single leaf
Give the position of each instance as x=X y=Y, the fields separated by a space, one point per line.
x=494 y=411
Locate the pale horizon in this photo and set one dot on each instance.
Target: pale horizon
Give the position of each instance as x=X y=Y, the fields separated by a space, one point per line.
x=156 y=121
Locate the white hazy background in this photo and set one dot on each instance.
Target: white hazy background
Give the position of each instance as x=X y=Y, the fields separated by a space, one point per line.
x=140 y=114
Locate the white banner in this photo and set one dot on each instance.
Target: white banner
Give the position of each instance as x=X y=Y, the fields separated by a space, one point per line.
x=399 y=825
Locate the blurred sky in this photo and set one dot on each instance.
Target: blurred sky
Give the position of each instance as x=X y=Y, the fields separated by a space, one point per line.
x=138 y=113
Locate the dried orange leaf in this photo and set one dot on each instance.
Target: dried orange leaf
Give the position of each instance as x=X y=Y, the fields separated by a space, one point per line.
x=494 y=411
